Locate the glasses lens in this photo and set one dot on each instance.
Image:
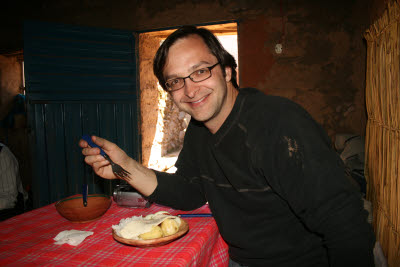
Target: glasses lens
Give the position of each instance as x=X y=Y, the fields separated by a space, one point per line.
x=200 y=75
x=196 y=76
x=174 y=84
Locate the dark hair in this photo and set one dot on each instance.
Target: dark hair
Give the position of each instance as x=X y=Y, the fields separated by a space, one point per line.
x=223 y=57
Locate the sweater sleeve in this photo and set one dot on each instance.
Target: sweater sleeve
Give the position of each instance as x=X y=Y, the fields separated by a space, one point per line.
x=181 y=190
x=308 y=174
x=178 y=192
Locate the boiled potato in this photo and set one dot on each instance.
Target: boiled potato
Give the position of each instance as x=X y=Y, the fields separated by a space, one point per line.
x=169 y=227
x=155 y=232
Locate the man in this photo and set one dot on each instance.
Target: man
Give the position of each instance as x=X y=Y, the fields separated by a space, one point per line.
x=10 y=184
x=276 y=189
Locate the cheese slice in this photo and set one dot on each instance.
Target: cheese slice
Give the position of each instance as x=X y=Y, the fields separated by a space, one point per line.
x=131 y=228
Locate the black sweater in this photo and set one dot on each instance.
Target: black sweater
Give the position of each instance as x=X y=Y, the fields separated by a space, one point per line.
x=277 y=190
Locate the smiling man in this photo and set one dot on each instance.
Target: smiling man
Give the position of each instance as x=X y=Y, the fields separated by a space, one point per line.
x=207 y=93
x=277 y=190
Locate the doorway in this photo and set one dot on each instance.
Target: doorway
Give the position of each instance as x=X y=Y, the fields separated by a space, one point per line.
x=163 y=125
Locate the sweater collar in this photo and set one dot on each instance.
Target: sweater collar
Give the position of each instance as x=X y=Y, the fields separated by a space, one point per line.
x=233 y=116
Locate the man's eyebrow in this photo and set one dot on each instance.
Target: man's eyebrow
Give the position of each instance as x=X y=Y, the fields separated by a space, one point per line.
x=191 y=69
x=196 y=66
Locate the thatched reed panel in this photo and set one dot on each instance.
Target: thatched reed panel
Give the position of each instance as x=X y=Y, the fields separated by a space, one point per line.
x=383 y=129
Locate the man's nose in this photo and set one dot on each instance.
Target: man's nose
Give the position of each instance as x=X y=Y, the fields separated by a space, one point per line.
x=191 y=88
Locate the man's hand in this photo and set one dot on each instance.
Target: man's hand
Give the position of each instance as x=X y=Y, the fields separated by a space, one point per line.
x=99 y=164
x=143 y=179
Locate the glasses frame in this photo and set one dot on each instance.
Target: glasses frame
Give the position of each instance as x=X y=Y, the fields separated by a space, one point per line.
x=189 y=76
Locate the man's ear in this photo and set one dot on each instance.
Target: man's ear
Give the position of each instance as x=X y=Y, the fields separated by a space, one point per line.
x=228 y=74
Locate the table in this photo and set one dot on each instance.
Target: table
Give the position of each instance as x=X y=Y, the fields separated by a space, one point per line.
x=27 y=240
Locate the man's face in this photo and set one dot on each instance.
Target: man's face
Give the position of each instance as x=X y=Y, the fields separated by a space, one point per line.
x=207 y=101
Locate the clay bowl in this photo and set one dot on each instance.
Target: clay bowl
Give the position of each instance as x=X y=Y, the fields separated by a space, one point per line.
x=72 y=209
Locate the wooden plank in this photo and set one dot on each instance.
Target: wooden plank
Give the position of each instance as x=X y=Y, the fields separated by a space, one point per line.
x=40 y=177
x=74 y=157
x=108 y=130
x=128 y=134
x=55 y=143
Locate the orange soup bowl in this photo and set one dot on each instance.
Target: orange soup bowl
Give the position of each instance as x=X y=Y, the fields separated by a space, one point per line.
x=72 y=208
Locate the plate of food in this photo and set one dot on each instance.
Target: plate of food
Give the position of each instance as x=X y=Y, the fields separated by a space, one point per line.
x=153 y=230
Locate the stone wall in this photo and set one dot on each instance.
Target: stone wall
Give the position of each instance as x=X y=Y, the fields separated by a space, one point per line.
x=170 y=131
x=10 y=82
x=13 y=131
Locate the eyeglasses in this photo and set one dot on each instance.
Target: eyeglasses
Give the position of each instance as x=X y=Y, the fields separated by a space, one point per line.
x=196 y=76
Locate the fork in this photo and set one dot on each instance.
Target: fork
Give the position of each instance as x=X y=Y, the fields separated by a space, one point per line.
x=118 y=171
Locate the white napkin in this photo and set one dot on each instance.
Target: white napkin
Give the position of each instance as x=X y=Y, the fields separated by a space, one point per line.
x=71 y=237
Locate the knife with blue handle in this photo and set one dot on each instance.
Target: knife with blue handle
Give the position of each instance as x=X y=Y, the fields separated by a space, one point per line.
x=188 y=215
x=88 y=139
x=84 y=194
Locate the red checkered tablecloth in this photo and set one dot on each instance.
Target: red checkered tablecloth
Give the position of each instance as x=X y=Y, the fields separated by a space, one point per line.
x=27 y=240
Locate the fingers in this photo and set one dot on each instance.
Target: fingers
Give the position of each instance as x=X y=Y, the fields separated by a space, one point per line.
x=100 y=166
x=97 y=165
x=112 y=150
x=103 y=143
x=83 y=143
x=96 y=158
x=89 y=150
x=92 y=154
x=93 y=158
